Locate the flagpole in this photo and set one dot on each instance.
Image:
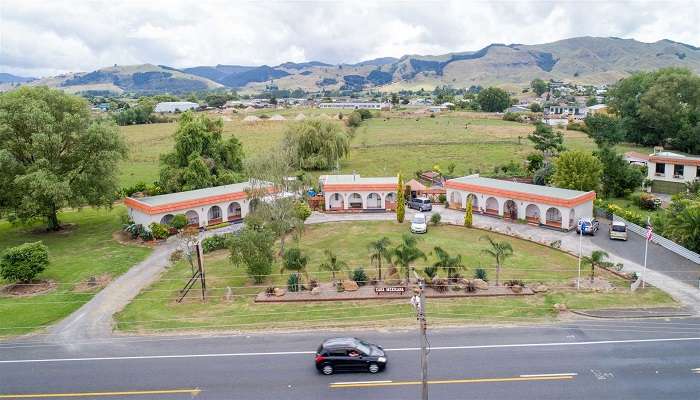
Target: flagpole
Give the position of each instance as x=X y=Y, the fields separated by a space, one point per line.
x=647 y=238
x=580 y=251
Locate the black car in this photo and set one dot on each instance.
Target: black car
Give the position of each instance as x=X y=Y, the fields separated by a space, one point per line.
x=349 y=354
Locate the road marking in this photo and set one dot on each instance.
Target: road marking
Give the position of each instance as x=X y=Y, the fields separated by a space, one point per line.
x=696 y=370
x=540 y=375
x=284 y=353
x=192 y=392
x=342 y=385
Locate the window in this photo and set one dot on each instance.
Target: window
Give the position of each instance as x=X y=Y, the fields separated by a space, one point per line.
x=660 y=169
x=677 y=171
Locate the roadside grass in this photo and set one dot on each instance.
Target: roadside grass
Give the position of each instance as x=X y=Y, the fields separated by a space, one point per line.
x=155 y=309
x=83 y=250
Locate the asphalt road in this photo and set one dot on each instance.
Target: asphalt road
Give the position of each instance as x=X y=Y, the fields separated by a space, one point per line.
x=590 y=359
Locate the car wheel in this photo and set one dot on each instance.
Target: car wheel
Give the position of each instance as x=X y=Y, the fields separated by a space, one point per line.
x=327 y=370
x=373 y=368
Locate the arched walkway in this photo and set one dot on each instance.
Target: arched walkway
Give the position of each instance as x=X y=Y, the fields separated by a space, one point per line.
x=192 y=218
x=553 y=217
x=510 y=210
x=355 y=200
x=390 y=201
x=336 y=202
x=491 y=207
x=234 y=211
x=455 y=200
x=572 y=218
x=475 y=202
x=214 y=215
x=167 y=219
x=532 y=214
x=374 y=200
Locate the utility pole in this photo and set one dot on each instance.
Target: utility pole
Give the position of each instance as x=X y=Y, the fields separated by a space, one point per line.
x=418 y=302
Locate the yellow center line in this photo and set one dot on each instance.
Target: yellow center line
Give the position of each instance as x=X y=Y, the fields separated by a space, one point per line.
x=193 y=392
x=451 y=381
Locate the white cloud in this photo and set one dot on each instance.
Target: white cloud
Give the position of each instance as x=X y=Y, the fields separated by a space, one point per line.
x=43 y=38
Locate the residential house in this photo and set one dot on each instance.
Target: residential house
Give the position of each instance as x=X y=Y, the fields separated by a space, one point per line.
x=670 y=171
x=348 y=193
x=175 y=106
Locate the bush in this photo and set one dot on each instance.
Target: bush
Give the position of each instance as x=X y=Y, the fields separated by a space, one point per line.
x=364 y=114
x=145 y=234
x=159 y=231
x=24 y=262
x=430 y=271
x=440 y=285
x=576 y=126
x=270 y=291
x=647 y=202
x=313 y=283
x=480 y=273
x=435 y=218
x=535 y=161
x=179 y=221
x=442 y=198
x=511 y=116
x=132 y=229
x=359 y=276
x=514 y=282
x=215 y=242
x=470 y=287
x=293 y=282
x=354 y=120
x=302 y=210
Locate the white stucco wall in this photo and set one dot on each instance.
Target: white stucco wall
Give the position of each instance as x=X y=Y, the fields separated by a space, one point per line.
x=690 y=173
x=142 y=218
x=331 y=204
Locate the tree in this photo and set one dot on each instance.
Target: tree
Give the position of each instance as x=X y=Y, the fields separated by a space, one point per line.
x=494 y=99
x=24 y=262
x=546 y=140
x=591 y=101
x=538 y=86
x=294 y=260
x=596 y=259
x=604 y=129
x=201 y=157
x=577 y=170
x=379 y=249
x=53 y=155
x=394 y=99
x=448 y=263
x=469 y=214
x=406 y=253
x=400 y=201
x=316 y=144
x=217 y=100
x=619 y=177
x=499 y=251
x=543 y=176
x=535 y=161
x=353 y=120
x=252 y=248
x=333 y=264
x=535 y=107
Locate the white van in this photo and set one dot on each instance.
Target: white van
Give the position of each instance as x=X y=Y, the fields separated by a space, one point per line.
x=618 y=230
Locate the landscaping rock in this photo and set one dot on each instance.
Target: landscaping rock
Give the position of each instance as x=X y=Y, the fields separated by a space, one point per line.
x=540 y=288
x=280 y=292
x=516 y=288
x=316 y=291
x=458 y=287
x=350 y=286
x=560 y=307
x=481 y=284
x=392 y=281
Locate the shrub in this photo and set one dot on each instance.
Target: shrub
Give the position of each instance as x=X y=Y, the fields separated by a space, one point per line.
x=215 y=242
x=24 y=262
x=535 y=161
x=440 y=285
x=313 y=283
x=302 y=210
x=435 y=218
x=648 y=202
x=365 y=114
x=270 y=291
x=159 y=231
x=179 y=221
x=480 y=273
x=359 y=276
x=354 y=120
x=470 y=287
x=145 y=234
x=511 y=116
x=576 y=126
x=293 y=282
x=514 y=282
x=442 y=198
x=430 y=271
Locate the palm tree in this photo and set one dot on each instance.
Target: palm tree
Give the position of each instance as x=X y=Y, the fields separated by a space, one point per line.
x=499 y=250
x=332 y=263
x=294 y=261
x=406 y=253
x=449 y=264
x=684 y=227
x=380 y=249
x=596 y=259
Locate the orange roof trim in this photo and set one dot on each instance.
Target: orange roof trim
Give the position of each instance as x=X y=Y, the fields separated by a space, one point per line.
x=675 y=160
x=183 y=205
x=588 y=196
x=337 y=187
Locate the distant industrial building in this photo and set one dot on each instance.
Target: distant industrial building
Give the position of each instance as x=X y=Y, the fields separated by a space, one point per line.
x=175 y=106
x=357 y=106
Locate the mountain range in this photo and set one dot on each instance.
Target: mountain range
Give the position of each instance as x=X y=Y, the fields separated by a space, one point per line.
x=586 y=60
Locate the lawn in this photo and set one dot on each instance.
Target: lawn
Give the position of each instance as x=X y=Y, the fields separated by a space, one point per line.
x=83 y=250
x=155 y=309
x=395 y=141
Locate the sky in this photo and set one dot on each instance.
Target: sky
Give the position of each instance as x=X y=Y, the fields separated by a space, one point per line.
x=44 y=38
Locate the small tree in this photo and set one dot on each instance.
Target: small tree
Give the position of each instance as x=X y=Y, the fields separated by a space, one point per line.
x=253 y=248
x=179 y=221
x=332 y=263
x=294 y=261
x=406 y=253
x=499 y=251
x=546 y=140
x=24 y=262
x=538 y=86
x=447 y=263
x=577 y=170
x=401 y=203
x=469 y=214
x=596 y=259
x=435 y=218
x=379 y=250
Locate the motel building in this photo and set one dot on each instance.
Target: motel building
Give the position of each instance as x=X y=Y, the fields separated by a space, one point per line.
x=538 y=205
x=202 y=207
x=350 y=193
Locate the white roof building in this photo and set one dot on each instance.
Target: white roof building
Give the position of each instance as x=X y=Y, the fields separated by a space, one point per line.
x=174 y=106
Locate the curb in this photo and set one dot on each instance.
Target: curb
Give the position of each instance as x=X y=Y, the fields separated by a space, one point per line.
x=660 y=315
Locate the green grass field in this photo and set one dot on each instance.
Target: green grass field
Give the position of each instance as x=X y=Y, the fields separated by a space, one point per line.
x=155 y=309
x=83 y=250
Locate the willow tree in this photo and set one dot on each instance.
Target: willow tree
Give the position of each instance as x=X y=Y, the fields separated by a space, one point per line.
x=54 y=155
x=316 y=144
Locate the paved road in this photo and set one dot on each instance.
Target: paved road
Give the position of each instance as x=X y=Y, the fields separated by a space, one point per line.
x=649 y=359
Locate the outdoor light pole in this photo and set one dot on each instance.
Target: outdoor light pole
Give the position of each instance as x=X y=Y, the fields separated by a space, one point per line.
x=580 y=251
x=418 y=302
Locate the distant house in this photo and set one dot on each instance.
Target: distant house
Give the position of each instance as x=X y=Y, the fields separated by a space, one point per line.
x=348 y=193
x=670 y=171
x=175 y=106
x=598 y=109
x=517 y=109
x=634 y=157
x=437 y=109
x=356 y=106
x=563 y=114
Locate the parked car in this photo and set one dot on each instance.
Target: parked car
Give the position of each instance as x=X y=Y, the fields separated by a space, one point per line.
x=419 y=224
x=618 y=230
x=349 y=354
x=587 y=226
x=420 y=204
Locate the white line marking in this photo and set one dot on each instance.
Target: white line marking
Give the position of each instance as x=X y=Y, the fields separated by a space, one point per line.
x=545 y=375
x=285 y=353
x=359 y=382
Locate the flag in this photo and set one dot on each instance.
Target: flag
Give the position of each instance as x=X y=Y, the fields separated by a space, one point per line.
x=650 y=233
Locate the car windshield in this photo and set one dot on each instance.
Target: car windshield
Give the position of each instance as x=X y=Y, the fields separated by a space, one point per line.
x=619 y=228
x=363 y=347
x=419 y=219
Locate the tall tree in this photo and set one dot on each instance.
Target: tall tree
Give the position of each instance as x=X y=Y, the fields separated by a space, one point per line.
x=596 y=259
x=546 y=140
x=538 y=86
x=201 y=157
x=334 y=264
x=619 y=177
x=449 y=264
x=316 y=144
x=379 y=249
x=494 y=99
x=406 y=253
x=577 y=170
x=53 y=155
x=604 y=129
x=499 y=251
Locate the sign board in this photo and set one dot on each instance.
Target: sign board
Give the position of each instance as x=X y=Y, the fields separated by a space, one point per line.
x=390 y=289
